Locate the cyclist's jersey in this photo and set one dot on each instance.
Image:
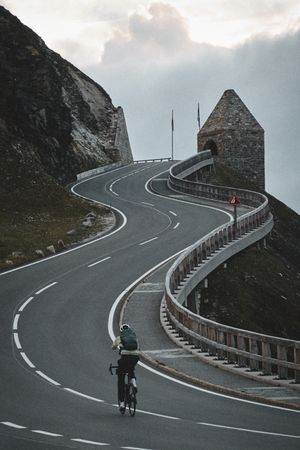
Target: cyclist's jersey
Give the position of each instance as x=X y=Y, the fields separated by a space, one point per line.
x=118 y=344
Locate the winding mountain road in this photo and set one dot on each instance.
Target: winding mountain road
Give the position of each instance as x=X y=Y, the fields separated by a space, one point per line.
x=56 y=391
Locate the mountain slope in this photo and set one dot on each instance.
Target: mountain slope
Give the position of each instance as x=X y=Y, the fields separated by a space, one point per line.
x=67 y=119
x=55 y=122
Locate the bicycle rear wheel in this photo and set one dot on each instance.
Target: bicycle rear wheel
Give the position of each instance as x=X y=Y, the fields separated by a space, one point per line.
x=132 y=401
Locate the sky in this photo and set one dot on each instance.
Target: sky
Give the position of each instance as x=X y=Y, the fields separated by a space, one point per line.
x=153 y=57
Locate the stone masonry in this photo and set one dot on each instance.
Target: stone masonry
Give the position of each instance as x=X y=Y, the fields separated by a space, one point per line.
x=235 y=138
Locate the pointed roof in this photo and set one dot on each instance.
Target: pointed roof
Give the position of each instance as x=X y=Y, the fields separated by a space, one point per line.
x=230 y=113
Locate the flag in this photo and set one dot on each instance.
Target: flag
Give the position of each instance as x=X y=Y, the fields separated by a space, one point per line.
x=198 y=116
x=172 y=121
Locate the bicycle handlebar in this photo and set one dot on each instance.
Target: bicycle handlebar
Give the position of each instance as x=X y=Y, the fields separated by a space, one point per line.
x=111 y=367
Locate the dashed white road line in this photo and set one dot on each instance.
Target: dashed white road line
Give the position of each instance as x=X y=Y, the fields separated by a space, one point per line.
x=46 y=287
x=249 y=430
x=17 y=341
x=149 y=240
x=176 y=226
x=47 y=433
x=16 y=320
x=172 y=212
x=84 y=441
x=27 y=360
x=148 y=204
x=98 y=262
x=136 y=448
x=13 y=425
x=41 y=374
x=25 y=304
x=57 y=435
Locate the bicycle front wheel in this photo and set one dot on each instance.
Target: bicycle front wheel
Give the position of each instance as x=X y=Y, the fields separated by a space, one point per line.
x=132 y=401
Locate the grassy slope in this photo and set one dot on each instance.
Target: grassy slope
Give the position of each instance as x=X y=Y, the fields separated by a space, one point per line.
x=260 y=288
x=35 y=211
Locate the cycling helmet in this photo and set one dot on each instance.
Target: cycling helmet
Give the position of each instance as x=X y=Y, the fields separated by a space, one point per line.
x=124 y=327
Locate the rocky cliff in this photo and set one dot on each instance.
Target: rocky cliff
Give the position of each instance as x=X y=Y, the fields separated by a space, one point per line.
x=52 y=114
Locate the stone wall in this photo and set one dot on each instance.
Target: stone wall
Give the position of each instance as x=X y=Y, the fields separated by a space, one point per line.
x=235 y=138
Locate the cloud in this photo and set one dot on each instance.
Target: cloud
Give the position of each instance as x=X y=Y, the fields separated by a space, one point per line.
x=149 y=73
x=157 y=36
x=79 y=10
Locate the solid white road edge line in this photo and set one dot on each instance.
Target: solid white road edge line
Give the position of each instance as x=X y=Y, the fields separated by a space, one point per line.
x=249 y=431
x=84 y=395
x=163 y=375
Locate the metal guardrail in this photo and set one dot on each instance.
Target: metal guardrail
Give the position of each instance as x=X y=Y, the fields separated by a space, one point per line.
x=268 y=354
x=139 y=161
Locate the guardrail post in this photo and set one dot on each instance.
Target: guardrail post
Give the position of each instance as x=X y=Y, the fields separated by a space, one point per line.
x=220 y=340
x=282 y=356
x=253 y=349
x=192 y=299
x=242 y=362
x=212 y=337
x=204 y=346
x=297 y=361
x=230 y=341
x=266 y=353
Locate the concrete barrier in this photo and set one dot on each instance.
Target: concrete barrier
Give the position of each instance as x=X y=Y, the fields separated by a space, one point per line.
x=99 y=170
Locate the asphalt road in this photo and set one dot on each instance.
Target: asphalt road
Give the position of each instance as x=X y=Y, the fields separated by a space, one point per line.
x=55 y=387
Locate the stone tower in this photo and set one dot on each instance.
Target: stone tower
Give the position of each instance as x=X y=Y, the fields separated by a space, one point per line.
x=235 y=138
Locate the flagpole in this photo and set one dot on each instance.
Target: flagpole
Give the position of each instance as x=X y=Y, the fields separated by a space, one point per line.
x=198 y=116
x=172 y=126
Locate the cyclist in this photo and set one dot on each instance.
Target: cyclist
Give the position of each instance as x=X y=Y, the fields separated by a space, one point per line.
x=127 y=344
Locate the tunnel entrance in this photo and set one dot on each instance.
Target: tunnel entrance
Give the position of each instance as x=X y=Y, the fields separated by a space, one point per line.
x=211 y=145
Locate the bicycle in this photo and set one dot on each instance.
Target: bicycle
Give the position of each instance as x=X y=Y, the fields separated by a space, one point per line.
x=130 y=399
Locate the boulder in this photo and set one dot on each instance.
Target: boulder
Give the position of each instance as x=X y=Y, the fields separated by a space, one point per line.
x=51 y=249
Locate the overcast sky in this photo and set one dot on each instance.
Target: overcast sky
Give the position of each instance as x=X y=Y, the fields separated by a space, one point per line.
x=152 y=57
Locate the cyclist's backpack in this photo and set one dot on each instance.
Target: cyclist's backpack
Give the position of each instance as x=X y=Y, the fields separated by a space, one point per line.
x=129 y=339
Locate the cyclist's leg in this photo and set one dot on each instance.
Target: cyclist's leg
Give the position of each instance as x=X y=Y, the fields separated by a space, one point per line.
x=131 y=372
x=121 y=371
